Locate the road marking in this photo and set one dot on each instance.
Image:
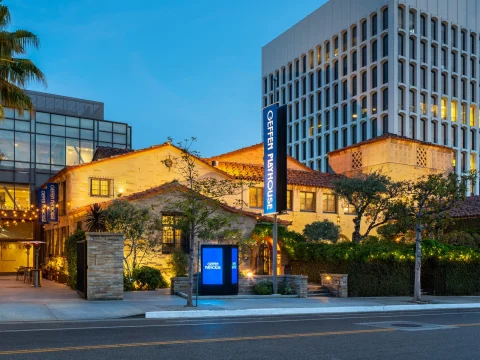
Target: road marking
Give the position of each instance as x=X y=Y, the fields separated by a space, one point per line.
x=198 y=322
x=192 y=341
x=465 y=325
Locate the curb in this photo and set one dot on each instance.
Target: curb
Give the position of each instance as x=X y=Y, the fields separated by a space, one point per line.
x=223 y=297
x=301 y=311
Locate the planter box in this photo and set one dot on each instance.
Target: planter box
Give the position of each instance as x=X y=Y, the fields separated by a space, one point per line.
x=62 y=278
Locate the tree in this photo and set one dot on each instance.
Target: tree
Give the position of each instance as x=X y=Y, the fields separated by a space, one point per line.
x=374 y=197
x=16 y=72
x=427 y=205
x=140 y=228
x=322 y=230
x=95 y=221
x=199 y=202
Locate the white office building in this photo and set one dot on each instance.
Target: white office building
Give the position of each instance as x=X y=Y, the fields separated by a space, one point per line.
x=356 y=69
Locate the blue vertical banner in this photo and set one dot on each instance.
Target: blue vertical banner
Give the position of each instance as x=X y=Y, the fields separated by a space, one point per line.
x=274 y=159
x=52 y=202
x=234 y=265
x=269 y=159
x=42 y=206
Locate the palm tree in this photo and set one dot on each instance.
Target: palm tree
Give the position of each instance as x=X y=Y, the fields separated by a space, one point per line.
x=15 y=71
x=95 y=221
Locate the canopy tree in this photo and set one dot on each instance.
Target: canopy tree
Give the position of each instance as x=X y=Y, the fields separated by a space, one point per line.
x=374 y=197
x=16 y=71
x=427 y=203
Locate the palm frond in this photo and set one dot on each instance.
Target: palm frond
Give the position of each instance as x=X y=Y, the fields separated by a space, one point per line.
x=4 y=16
x=21 y=72
x=14 y=97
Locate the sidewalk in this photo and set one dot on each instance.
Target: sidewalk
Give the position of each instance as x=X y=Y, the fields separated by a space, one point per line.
x=55 y=302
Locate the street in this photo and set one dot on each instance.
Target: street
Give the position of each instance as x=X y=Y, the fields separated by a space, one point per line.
x=420 y=335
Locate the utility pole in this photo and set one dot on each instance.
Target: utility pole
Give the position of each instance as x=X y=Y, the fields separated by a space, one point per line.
x=275 y=222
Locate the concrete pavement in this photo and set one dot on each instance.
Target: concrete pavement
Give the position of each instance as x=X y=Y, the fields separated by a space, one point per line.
x=20 y=302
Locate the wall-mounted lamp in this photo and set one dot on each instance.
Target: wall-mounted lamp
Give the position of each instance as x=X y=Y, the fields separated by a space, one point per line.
x=338 y=219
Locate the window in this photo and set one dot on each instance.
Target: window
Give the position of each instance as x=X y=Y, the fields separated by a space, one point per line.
x=400 y=72
x=433 y=29
x=374 y=103
x=364 y=30
x=319 y=55
x=335 y=46
x=101 y=187
x=385 y=125
x=289 y=200
x=329 y=203
x=345 y=41
x=256 y=197
x=374 y=51
x=348 y=209
x=385 y=99
x=401 y=18
x=385 y=72
x=364 y=131
x=354 y=36
x=374 y=25
x=364 y=81
x=345 y=66
x=423 y=25
x=385 y=46
x=401 y=45
x=364 y=56
x=413 y=48
x=171 y=236
x=307 y=201
x=385 y=19
x=374 y=77
x=354 y=86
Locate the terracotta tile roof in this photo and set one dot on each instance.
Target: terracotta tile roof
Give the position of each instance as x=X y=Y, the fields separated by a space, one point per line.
x=175 y=186
x=104 y=152
x=294 y=177
x=385 y=137
x=468 y=209
x=251 y=147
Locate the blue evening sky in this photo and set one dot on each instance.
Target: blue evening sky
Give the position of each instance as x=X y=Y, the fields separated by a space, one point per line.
x=175 y=68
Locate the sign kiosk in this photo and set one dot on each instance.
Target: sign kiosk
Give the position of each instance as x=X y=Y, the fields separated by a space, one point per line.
x=219 y=270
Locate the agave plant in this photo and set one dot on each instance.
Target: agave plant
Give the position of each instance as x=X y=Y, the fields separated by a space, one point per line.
x=95 y=221
x=16 y=72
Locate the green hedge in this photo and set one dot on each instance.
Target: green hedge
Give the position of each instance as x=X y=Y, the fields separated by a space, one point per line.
x=382 y=268
x=71 y=256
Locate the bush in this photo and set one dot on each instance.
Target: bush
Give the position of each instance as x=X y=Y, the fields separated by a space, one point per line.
x=322 y=230
x=71 y=256
x=263 y=288
x=128 y=284
x=179 y=263
x=461 y=238
x=385 y=268
x=286 y=289
x=148 y=278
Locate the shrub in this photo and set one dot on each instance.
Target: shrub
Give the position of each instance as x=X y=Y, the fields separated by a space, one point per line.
x=322 y=230
x=128 y=284
x=263 y=288
x=71 y=256
x=148 y=278
x=286 y=289
x=179 y=263
x=461 y=238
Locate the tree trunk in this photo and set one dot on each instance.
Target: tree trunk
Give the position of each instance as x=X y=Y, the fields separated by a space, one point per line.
x=356 y=232
x=417 y=295
x=190 y=271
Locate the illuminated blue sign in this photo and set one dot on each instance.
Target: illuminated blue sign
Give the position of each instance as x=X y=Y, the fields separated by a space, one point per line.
x=52 y=202
x=42 y=206
x=212 y=266
x=274 y=159
x=234 y=265
x=269 y=159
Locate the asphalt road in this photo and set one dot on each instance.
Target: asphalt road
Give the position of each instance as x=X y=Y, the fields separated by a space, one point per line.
x=420 y=335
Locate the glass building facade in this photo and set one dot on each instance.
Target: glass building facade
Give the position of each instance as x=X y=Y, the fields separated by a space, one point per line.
x=64 y=132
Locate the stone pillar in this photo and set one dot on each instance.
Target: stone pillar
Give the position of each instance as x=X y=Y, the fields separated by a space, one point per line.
x=337 y=284
x=104 y=266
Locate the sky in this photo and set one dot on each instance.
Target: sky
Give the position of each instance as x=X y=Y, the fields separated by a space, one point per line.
x=169 y=68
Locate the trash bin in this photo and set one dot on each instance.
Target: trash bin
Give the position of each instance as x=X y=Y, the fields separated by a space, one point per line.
x=36 y=277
